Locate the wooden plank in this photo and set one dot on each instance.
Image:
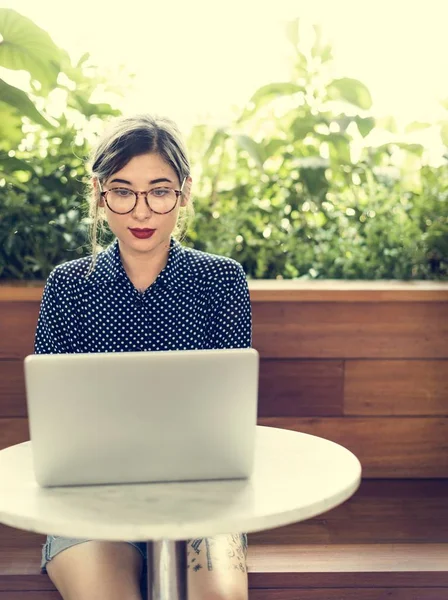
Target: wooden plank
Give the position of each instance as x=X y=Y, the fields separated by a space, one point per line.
x=331 y=290
x=290 y=290
x=389 y=447
x=381 y=511
x=12 y=389
x=346 y=558
x=31 y=595
x=13 y=431
x=353 y=565
x=17 y=329
x=23 y=291
x=344 y=593
x=328 y=530
x=299 y=330
x=14 y=539
x=290 y=388
x=337 y=593
x=396 y=387
x=351 y=330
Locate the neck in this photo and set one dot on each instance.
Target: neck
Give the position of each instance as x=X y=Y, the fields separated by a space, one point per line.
x=142 y=268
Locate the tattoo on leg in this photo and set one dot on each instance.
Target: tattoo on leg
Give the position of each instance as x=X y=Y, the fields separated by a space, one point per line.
x=209 y=556
x=196 y=544
x=229 y=552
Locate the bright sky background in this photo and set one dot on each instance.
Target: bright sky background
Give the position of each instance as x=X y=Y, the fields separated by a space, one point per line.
x=199 y=57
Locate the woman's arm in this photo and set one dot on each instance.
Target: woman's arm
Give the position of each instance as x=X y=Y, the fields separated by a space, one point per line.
x=51 y=335
x=231 y=325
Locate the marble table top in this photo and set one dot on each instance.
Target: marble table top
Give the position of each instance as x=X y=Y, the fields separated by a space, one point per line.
x=296 y=476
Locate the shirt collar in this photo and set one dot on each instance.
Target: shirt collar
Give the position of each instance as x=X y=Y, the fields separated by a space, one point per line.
x=109 y=267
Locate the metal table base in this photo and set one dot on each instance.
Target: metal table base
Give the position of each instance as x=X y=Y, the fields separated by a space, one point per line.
x=167 y=570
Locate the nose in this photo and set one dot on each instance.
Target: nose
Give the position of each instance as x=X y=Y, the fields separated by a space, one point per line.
x=141 y=210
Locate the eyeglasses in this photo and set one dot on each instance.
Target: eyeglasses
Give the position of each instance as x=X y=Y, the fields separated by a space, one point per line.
x=161 y=200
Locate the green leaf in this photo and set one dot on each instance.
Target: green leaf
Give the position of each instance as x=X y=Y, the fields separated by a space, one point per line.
x=267 y=93
x=302 y=126
x=88 y=109
x=416 y=149
x=416 y=126
x=411 y=179
x=326 y=54
x=314 y=179
x=272 y=90
x=26 y=46
x=320 y=49
x=317 y=44
x=350 y=90
x=218 y=137
x=444 y=133
x=19 y=100
x=13 y=180
x=83 y=59
x=339 y=147
x=255 y=150
x=365 y=125
x=388 y=123
x=10 y=127
x=12 y=164
x=272 y=146
x=292 y=32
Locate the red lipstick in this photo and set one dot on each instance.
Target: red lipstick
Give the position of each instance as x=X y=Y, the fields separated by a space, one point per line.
x=142 y=234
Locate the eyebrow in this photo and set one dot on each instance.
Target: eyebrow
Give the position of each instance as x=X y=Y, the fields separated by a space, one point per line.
x=152 y=180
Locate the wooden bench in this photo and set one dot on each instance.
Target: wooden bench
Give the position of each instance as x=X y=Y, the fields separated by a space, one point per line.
x=363 y=364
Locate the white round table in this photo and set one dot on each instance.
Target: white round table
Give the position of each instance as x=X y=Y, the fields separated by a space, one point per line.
x=296 y=476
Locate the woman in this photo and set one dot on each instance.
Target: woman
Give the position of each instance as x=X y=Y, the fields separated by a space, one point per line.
x=146 y=292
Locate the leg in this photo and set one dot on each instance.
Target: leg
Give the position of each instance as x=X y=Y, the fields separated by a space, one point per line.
x=97 y=570
x=216 y=568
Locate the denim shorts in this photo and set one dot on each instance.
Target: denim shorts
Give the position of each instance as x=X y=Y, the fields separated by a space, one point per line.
x=56 y=544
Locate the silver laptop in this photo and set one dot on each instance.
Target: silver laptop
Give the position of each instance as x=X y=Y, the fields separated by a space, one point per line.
x=142 y=416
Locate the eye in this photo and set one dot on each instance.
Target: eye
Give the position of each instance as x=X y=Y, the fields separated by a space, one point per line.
x=122 y=192
x=160 y=192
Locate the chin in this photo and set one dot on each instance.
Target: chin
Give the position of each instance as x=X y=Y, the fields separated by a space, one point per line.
x=144 y=245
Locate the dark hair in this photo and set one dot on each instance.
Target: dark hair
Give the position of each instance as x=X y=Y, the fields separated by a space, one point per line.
x=132 y=136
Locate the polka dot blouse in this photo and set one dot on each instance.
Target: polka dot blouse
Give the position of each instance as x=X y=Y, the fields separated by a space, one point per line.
x=198 y=301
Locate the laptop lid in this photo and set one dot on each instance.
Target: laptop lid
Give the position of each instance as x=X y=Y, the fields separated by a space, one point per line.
x=142 y=416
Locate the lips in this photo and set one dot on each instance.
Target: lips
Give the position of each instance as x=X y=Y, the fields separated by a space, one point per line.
x=142 y=233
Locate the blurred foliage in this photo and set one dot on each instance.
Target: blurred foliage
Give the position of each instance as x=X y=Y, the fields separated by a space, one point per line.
x=43 y=213
x=295 y=187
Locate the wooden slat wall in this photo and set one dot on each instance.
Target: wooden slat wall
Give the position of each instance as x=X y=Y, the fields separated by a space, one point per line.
x=366 y=368
x=388 y=330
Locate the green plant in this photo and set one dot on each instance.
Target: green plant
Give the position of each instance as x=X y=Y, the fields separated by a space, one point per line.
x=292 y=188
x=42 y=158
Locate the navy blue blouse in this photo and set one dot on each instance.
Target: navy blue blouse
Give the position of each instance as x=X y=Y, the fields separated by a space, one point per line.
x=198 y=301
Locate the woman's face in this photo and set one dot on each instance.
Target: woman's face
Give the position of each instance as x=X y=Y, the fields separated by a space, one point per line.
x=141 y=174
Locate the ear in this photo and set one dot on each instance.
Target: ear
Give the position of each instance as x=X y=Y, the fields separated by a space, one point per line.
x=185 y=198
x=96 y=191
